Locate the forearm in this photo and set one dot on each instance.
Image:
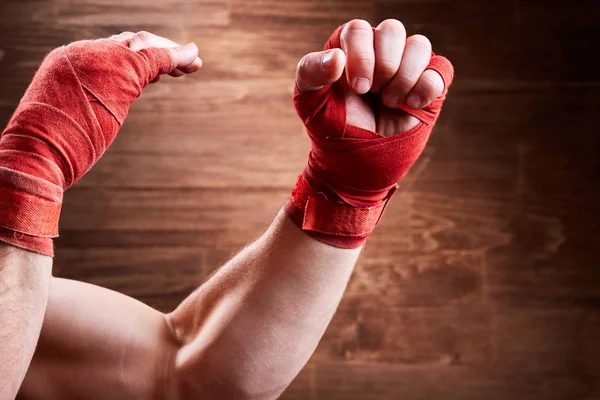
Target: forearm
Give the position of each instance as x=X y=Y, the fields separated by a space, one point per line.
x=24 y=287
x=251 y=328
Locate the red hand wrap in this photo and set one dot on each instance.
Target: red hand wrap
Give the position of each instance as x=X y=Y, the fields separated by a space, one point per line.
x=66 y=120
x=353 y=172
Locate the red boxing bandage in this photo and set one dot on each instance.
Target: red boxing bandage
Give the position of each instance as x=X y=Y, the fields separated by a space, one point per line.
x=67 y=119
x=353 y=172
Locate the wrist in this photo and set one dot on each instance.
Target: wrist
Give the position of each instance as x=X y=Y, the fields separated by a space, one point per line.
x=333 y=218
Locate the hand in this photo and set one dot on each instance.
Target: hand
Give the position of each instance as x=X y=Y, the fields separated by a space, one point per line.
x=67 y=119
x=185 y=58
x=383 y=62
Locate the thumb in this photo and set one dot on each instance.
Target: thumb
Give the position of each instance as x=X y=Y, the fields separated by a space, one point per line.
x=316 y=70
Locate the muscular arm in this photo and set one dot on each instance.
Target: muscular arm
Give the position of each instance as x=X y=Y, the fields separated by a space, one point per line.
x=245 y=333
x=249 y=330
x=24 y=287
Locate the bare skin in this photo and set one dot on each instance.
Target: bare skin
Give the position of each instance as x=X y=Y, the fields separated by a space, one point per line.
x=249 y=330
x=24 y=287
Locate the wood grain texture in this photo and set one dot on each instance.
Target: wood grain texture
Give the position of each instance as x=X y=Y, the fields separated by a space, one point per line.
x=483 y=279
x=357 y=381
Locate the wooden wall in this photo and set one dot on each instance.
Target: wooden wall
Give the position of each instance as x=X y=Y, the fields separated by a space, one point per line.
x=483 y=280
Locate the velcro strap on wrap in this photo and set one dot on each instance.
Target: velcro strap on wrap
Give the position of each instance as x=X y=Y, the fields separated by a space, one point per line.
x=28 y=214
x=338 y=219
x=314 y=212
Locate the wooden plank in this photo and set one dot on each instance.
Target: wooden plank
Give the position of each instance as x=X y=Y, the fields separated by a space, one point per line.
x=140 y=239
x=261 y=167
x=368 y=329
x=141 y=218
x=172 y=171
x=445 y=12
x=193 y=100
x=224 y=218
x=536 y=340
x=256 y=51
x=469 y=227
x=183 y=210
x=412 y=262
x=239 y=214
x=479 y=105
x=39 y=37
x=268 y=37
x=558 y=269
x=311 y=11
x=358 y=381
x=581 y=13
x=531 y=253
x=15 y=13
x=140 y=14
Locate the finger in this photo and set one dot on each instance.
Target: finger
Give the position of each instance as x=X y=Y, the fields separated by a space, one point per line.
x=357 y=43
x=316 y=70
x=428 y=88
x=144 y=40
x=389 y=41
x=186 y=58
x=415 y=59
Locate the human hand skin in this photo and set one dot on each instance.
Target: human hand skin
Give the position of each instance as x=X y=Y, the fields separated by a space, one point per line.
x=25 y=276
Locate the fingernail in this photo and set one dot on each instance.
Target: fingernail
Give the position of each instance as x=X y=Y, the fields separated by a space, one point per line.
x=362 y=85
x=414 y=101
x=190 y=46
x=392 y=100
x=327 y=60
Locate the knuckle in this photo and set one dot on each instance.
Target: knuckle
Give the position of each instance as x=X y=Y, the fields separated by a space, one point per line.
x=425 y=92
x=364 y=57
x=364 y=61
x=404 y=79
x=387 y=67
x=142 y=36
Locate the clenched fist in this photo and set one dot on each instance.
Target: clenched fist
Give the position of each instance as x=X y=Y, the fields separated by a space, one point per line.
x=382 y=61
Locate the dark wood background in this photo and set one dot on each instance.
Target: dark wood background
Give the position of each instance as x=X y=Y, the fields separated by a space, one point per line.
x=482 y=282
